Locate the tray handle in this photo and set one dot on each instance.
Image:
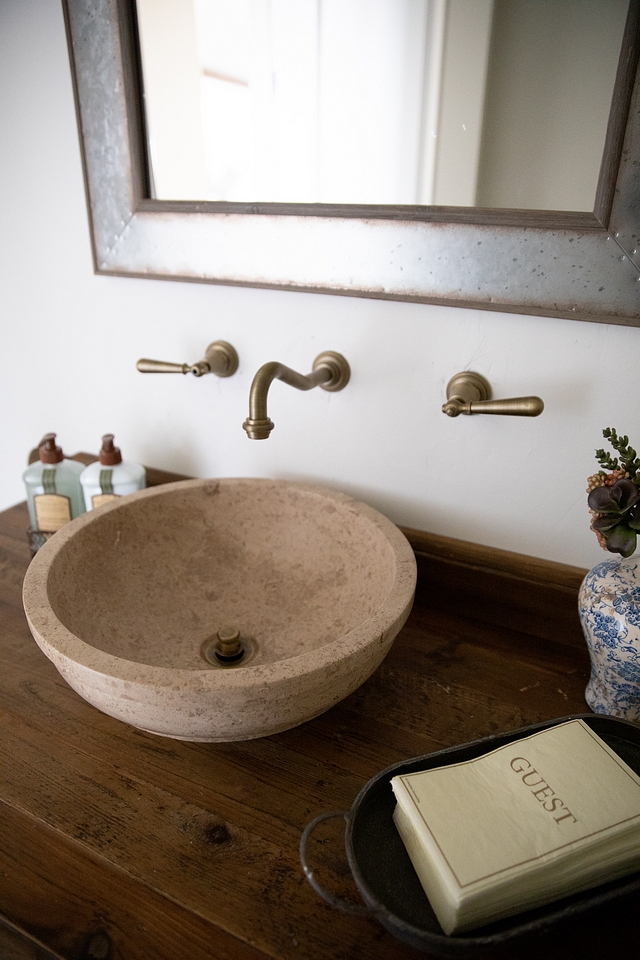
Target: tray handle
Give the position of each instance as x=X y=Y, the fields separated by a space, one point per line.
x=334 y=901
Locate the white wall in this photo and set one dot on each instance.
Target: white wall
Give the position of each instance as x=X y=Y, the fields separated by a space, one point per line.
x=69 y=341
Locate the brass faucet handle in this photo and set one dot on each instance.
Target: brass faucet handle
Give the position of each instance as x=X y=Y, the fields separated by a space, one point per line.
x=220 y=358
x=469 y=393
x=514 y=407
x=144 y=365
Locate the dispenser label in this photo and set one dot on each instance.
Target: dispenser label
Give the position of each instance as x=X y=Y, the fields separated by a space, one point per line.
x=101 y=498
x=106 y=481
x=52 y=511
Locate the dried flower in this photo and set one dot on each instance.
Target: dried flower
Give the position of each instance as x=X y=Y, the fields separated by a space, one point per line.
x=597 y=480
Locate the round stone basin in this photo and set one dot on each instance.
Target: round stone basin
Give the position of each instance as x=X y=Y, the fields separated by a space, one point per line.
x=127 y=600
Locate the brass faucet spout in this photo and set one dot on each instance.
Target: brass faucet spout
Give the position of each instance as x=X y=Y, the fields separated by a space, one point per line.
x=278 y=371
x=330 y=371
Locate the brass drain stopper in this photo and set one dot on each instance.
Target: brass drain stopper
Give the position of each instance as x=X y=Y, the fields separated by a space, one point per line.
x=229 y=648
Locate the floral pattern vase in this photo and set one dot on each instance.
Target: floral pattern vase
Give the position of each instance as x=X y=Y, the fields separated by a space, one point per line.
x=609 y=607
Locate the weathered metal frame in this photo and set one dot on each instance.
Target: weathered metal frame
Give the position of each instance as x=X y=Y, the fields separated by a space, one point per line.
x=584 y=266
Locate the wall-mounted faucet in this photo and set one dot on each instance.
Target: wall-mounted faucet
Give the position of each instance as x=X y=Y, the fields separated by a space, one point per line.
x=330 y=371
x=220 y=358
x=470 y=393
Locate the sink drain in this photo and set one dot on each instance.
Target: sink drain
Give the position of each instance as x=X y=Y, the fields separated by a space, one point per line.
x=227 y=648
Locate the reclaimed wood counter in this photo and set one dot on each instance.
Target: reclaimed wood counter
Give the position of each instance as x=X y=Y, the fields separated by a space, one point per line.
x=120 y=845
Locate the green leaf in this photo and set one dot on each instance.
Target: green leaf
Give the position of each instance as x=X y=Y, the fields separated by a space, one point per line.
x=606 y=522
x=622 y=540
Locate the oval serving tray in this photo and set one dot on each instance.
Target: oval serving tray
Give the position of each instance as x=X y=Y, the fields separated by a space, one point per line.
x=389 y=885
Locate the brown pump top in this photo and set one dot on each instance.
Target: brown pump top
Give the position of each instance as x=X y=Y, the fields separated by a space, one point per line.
x=48 y=451
x=109 y=455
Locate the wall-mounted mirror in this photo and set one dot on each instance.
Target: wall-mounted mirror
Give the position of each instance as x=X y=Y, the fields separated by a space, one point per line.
x=486 y=103
x=336 y=146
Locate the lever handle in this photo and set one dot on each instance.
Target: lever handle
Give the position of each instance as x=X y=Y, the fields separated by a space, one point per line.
x=144 y=365
x=514 y=407
x=469 y=393
x=220 y=358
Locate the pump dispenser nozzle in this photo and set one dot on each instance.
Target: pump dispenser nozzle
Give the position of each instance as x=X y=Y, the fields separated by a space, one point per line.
x=109 y=455
x=49 y=452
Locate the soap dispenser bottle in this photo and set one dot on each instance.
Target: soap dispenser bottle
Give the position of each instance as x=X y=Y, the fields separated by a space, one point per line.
x=54 y=494
x=111 y=476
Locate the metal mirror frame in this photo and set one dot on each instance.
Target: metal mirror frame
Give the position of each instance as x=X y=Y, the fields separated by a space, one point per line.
x=584 y=266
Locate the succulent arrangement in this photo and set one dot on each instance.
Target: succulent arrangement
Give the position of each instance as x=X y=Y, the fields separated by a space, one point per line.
x=614 y=496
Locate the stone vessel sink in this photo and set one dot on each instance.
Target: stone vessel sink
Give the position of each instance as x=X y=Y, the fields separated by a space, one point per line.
x=126 y=601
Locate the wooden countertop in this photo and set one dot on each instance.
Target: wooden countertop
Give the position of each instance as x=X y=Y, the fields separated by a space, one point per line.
x=120 y=845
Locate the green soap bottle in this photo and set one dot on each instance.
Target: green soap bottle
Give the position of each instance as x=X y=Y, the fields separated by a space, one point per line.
x=54 y=494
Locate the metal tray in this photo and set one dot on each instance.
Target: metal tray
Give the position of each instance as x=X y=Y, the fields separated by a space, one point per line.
x=389 y=885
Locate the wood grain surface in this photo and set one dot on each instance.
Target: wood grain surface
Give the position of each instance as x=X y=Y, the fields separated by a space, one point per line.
x=119 y=845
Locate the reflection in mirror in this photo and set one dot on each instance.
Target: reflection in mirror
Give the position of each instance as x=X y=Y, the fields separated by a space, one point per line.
x=490 y=103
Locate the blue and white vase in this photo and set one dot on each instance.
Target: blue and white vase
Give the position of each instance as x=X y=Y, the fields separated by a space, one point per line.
x=609 y=607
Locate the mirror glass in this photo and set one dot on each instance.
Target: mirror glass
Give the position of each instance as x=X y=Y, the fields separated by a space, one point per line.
x=487 y=103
